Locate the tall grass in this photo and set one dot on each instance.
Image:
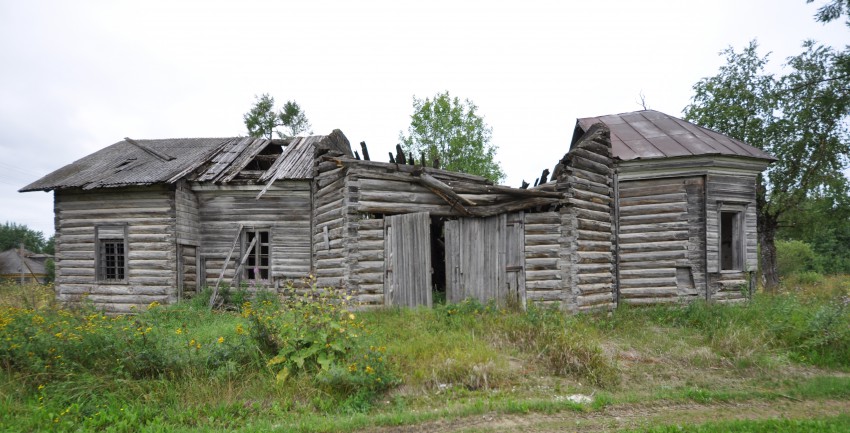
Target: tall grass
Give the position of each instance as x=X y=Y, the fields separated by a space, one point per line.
x=185 y=367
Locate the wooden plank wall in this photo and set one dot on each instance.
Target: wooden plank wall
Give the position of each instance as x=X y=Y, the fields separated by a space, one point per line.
x=661 y=240
x=284 y=209
x=543 y=280
x=586 y=257
x=150 y=217
x=729 y=286
x=476 y=250
x=408 y=260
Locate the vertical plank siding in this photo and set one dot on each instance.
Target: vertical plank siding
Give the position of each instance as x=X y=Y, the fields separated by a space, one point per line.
x=187 y=214
x=149 y=214
x=284 y=210
x=731 y=286
x=408 y=260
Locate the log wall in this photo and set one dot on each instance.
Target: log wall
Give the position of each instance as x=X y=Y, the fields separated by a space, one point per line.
x=330 y=218
x=586 y=241
x=284 y=209
x=661 y=240
x=149 y=215
x=543 y=279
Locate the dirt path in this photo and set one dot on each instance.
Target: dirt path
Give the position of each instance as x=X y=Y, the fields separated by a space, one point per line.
x=632 y=416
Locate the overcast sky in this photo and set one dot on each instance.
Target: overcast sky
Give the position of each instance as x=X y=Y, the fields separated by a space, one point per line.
x=79 y=76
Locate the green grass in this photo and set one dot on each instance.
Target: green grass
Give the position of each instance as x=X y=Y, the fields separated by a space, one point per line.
x=184 y=368
x=836 y=424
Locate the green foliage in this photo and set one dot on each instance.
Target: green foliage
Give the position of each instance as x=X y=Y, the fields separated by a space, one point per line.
x=823 y=223
x=813 y=330
x=832 y=10
x=446 y=128
x=800 y=117
x=12 y=234
x=316 y=333
x=794 y=257
x=262 y=119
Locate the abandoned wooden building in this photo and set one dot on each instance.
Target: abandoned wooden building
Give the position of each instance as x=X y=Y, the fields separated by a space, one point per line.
x=643 y=208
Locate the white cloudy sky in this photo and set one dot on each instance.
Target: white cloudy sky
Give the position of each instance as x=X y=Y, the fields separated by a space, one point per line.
x=78 y=76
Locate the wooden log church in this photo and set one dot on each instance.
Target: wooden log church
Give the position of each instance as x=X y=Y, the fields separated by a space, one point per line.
x=643 y=208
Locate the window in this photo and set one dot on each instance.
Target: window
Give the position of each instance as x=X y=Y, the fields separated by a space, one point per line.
x=731 y=240
x=111 y=260
x=258 y=257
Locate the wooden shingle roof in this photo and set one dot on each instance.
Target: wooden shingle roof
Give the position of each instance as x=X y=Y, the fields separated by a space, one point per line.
x=650 y=134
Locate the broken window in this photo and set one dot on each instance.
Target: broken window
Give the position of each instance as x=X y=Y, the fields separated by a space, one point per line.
x=256 y=250
x=111 y=259
x=731 y=240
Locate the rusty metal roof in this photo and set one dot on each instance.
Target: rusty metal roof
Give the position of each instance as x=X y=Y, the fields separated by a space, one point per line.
x=650 y=134
x=146 y=162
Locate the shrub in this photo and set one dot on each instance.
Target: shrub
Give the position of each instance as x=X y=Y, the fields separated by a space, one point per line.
x=316 y=333
x=794 y=257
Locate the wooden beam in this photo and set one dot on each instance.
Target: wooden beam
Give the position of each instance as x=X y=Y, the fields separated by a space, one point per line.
x=444 y=191
x=224 y=267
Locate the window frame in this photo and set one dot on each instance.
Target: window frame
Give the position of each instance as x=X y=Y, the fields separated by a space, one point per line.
x=247 y=272
x=105 y=236
x=738 y=248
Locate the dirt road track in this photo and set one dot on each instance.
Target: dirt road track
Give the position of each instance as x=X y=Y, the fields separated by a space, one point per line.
x=631 y=416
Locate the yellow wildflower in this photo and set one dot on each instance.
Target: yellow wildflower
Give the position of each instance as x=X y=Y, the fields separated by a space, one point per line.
x=178 y=331
x=220 y=340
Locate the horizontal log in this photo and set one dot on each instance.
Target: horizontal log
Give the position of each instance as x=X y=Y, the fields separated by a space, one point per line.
x=653 y=256
x=544 y=295
x=590 y=288
x=648 y=292
x=653 y=246
x=594 y=257
x=648 y=273
x=636 y=238
x=653 y=209
x=647 y=282
x=532 y=218
x=548 y=274
x=659 y=218
x=681 y=225
x=595 y=299
x=675 y=197
x=596 y=278
x=649 y=301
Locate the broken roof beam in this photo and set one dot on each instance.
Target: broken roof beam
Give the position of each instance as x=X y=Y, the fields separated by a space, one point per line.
x=443 y=191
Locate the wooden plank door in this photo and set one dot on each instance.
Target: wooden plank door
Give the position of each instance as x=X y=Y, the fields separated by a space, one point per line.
x=515 y=258
x=407 y=247
x=484 y=258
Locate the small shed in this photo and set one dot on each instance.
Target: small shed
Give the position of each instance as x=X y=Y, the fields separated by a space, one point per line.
x=685 y=208
x=23 y=266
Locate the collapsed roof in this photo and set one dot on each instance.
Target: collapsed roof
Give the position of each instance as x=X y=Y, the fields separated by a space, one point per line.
x=220 y=160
